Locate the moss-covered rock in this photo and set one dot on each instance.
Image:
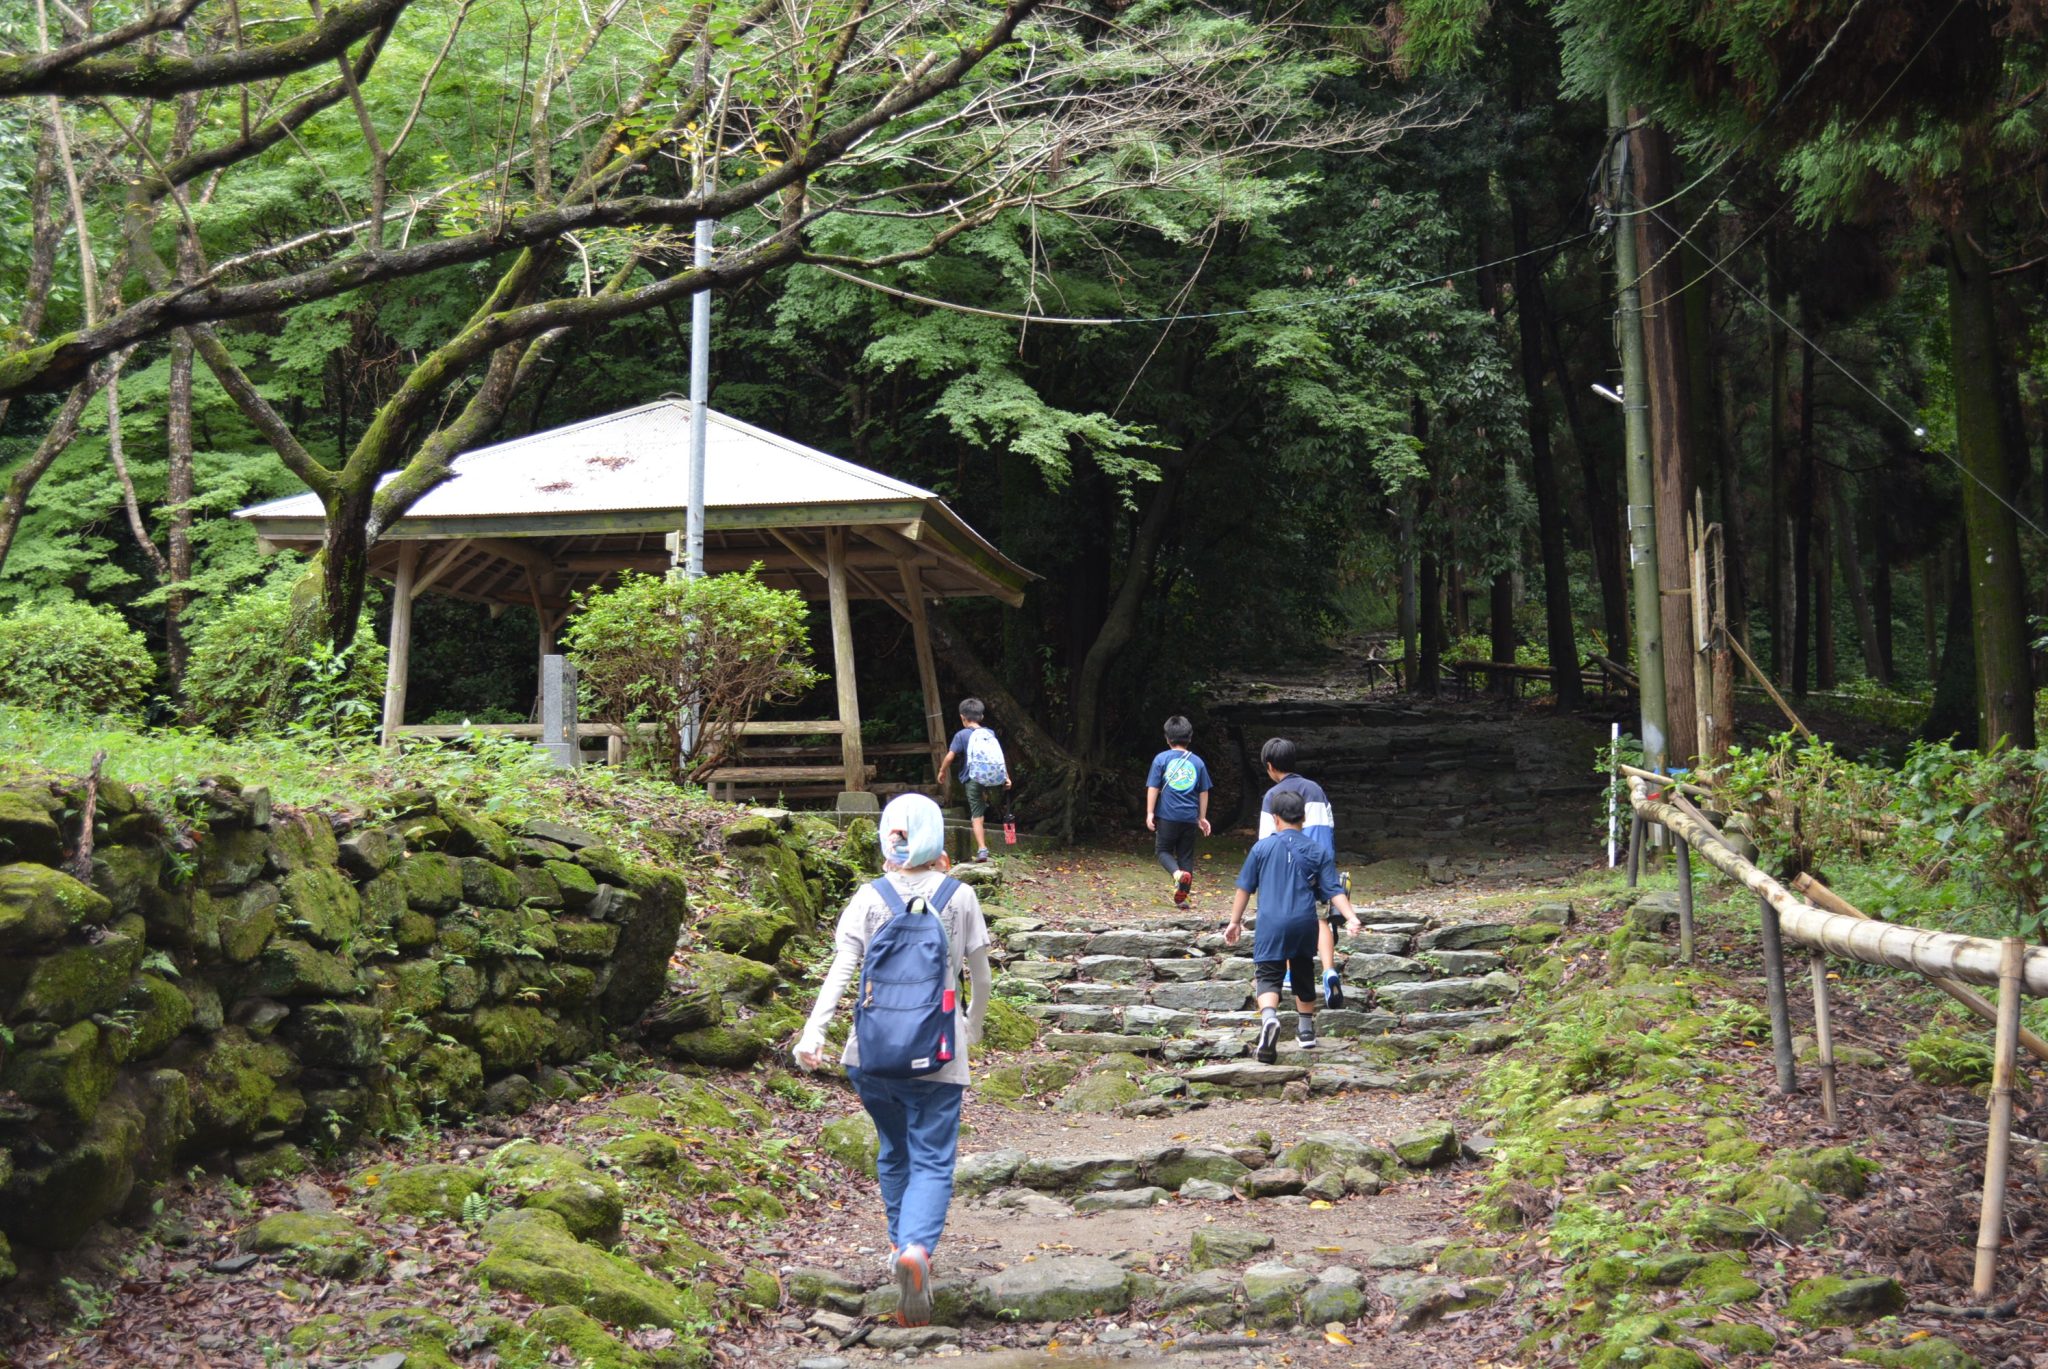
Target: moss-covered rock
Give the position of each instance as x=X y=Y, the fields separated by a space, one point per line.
x=489 y=885
x=52 y=1205
x=73 y=981
x=367 y=852
x=649 y=920
x=606 y=864
x=862 y=846
x=1834 y=1301
x=290 y=968
x=555 y=1179
x=1722 y=1281
x=532 y=1252
x=235 y=1085
x=644 y=1154
x=725 y=1047
x=28 y=827
x=157 y=1012
x=322 y=905
x=1835 y=1169
x=777 y=878
x=1334 y=1152
x=432 y=880
x=1099 y=1093
x=513 y=1036
x=590 y=942
x=1216 y=1246
x=752 y=1202
x=1006 y=1029
x=731 y=976
x=1720 y=1226
x=756 y=933
x=1737 y=1337
x=1931 y=1353
x=470 y=834
x=70 y=1074
x=576 y=884
x=1427 y=1146
x=432 y=1190
x=446 y=1078
x=342 y=1036
x=326 y=1245
x=232 y=857
x=852 y=1141
x=1782 y=1205
x=302 y=842
x=242 y=923
x=39 y=905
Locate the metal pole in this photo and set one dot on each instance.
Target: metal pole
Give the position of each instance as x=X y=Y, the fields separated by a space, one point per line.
x=1774 y=989
x=1642 y=498
x=700 y=402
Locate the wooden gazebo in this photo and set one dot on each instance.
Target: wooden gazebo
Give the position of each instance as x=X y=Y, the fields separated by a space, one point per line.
x=531 y=521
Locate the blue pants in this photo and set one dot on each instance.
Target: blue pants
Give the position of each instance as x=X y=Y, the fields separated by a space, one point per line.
x=918 y=1121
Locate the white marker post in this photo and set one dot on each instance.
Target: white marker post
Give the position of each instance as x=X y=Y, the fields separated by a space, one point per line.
x=1613 y=777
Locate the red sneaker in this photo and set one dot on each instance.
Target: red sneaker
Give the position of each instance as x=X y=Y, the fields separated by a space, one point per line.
x=1182 y=883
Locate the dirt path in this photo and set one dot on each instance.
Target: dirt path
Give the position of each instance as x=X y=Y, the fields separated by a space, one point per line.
x=1390 y=1232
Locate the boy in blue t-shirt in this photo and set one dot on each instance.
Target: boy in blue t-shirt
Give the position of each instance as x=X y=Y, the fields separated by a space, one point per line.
x=1291 y=873
x=1320 y=824
x=1177 y=805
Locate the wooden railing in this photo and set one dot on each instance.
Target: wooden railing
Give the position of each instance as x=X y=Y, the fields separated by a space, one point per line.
x=1950 y=960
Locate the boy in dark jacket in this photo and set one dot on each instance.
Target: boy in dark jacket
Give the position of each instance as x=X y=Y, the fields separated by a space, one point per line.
x=1177 y=805
x=1291 y=873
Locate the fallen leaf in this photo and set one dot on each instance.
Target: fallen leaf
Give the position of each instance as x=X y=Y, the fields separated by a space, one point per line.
x=1319 y=1205
x=1336 y=1338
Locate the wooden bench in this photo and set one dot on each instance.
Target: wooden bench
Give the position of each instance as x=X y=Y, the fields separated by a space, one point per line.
x=806 y=781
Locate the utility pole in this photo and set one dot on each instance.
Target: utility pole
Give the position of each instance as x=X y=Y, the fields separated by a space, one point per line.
x=1642 y=489
x=700 y=403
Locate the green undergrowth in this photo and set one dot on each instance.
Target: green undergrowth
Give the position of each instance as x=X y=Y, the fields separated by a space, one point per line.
x=1625 y=1145
x=502 y=778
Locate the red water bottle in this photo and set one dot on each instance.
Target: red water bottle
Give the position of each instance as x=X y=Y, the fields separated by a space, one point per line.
x=1009 y=829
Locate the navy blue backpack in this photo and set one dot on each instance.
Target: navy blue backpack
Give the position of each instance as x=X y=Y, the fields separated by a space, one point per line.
x=903 y=1019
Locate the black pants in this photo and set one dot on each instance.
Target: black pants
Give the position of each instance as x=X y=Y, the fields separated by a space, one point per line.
x=1174 y=843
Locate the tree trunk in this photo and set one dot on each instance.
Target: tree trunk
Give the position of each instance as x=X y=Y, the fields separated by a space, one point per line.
x=46 y=231
x=1802 y=531
x=1734 y=529
x=1603 y=516
x=1780 y=570
x=1953 y=714
x=1824 y=674
x=1673 y=430
x=21 y=481
x=1881 y=598
x=1500 y=627
x=1432 y=599
x=1931 y=597
x=178 y=490
x=1406 y=608
x=1844 y=528
x=1122 y=618
x=1998 y=602
x=1557 y=586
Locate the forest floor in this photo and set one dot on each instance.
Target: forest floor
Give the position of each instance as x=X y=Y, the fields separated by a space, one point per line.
x=1612 y=1116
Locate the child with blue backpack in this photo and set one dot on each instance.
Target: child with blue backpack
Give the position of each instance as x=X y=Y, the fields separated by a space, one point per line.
x=909 y=935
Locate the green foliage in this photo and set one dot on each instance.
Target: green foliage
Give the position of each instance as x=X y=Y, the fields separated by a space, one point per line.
x=721 y=646
x=259 y=663
x=1943 y=1058
x=74 y=657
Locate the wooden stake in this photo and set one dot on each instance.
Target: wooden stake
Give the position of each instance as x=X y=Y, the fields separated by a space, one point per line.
x=1635 y=848
x=1824 y=897
x=1998 y=1150
x=927 y=667
x=1824 y=1033
x=1774 y=989
x=1680 y=849
x=1770 y=689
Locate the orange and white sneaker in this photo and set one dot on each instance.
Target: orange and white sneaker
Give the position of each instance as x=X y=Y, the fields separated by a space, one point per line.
x=1183 y=884
x=913 y=1286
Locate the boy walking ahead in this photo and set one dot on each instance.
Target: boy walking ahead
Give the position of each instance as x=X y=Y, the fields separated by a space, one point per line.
x=1320 y=823
x=982 y=767
x=1177 y=805
x=1291 y=873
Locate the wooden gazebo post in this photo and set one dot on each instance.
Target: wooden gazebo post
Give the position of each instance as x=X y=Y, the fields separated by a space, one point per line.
x=927 y=667
x=398 y=660
x=850 y=752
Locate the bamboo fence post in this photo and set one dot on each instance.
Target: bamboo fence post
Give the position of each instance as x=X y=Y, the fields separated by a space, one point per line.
x=1823 y=897
x=1635 y=847
x=1774 y=989
x=1683 y=851
x=1824 y=1035
x=1998 y=1149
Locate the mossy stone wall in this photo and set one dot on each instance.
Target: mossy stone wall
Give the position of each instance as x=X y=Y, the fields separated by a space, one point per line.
x=267 y=979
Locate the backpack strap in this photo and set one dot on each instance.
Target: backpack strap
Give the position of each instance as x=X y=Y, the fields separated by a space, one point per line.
x=943 y=895
x=890 y=896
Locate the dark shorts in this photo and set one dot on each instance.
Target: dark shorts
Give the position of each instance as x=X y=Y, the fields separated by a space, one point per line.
x=1268 y=975
x=1172 y=837
x=978 y=795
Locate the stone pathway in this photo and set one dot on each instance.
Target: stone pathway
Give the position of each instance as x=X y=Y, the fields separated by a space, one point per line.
x=1139 y=1186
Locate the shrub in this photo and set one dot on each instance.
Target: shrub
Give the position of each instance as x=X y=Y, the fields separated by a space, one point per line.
x=73 y=657
x=723 y=644
x=259 y=663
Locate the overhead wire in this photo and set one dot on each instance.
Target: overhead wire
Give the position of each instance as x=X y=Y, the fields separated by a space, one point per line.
x=1916 y=429
x=1112 y=320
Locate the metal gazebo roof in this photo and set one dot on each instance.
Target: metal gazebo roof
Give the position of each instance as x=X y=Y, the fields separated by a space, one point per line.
x=531 y=520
